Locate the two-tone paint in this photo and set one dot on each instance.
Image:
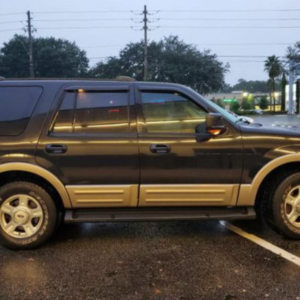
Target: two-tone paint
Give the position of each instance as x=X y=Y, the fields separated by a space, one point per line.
x=119 y=170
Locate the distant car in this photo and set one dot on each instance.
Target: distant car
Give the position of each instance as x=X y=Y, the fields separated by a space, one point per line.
x=242 y=118
x=257 y=111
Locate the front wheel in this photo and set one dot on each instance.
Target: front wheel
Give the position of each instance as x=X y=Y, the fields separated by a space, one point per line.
x=28 y=215
x=282 y=208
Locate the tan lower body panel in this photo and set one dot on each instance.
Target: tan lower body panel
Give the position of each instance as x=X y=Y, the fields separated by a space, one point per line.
x=188 y=195
x=245 y=198
x=103 y=195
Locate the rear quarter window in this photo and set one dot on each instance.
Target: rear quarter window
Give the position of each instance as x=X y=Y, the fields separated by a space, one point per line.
x=16 y=107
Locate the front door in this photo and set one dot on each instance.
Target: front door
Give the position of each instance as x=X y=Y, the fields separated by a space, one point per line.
x=90 y=143
x=178 y=166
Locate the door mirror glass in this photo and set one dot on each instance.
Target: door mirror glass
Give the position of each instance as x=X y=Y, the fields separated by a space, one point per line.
x=214 y=123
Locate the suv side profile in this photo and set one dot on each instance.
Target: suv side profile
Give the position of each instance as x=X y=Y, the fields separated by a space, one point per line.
x=100 y=151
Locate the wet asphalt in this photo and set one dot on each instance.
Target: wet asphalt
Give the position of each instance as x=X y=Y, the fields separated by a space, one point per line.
x=173 y=260
x=155 y=261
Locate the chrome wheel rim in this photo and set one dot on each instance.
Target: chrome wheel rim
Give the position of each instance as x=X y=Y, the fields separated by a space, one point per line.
x=21 y=216
x=292 y=206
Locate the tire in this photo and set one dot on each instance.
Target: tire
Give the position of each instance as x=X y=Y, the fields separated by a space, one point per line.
x=281 y=205
x=28 y=215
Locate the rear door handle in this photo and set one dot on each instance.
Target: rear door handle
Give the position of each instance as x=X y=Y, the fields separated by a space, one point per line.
x=158 y=148
x=56 y=148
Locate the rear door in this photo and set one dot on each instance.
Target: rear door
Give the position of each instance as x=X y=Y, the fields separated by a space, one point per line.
x=90 y=143
x=178 y=166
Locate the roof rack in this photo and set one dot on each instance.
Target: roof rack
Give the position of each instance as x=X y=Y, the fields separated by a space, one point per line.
x=118 y=78
x=125 y=78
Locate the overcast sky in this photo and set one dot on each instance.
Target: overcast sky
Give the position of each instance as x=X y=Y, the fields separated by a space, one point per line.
x=227 y=43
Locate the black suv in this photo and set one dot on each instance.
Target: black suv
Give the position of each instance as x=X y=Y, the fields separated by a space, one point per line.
x=97 y=151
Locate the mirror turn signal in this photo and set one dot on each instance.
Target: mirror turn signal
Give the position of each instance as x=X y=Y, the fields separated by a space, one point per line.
x=214 y=131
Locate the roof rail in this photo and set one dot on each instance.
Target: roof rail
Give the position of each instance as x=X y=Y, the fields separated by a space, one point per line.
x=125 y=78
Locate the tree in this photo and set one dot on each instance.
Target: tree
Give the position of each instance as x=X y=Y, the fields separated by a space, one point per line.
x=263 y=103
x=283 y=94
x=251 y=86
x=235 y=106
x=293 y=52
x=274 y=68
x=246 y=104
x=52 y=58
x=170 y=60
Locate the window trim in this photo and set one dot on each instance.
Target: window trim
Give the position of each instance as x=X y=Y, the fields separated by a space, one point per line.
x=90 y=89
x=144 y=129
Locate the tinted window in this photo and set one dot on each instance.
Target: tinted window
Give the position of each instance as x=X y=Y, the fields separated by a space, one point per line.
x=101 y=112
x=64 y=119
x=171 y=113
x=16 y=107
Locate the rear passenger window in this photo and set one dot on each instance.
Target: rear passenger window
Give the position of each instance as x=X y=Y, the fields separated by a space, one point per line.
x=101 y=112
x=16 y=107
x=95 y=112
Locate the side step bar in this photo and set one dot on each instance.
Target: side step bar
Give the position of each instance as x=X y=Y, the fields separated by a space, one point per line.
x=158 y=214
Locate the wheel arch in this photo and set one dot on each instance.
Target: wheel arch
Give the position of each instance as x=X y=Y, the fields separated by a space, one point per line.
x=38 y=171
x=248 y=195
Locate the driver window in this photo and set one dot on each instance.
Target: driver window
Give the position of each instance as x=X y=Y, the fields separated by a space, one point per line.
x=170 y=112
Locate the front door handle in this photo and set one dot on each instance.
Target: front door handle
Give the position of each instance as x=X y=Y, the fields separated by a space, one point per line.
x=160 y=149
x=56 y=148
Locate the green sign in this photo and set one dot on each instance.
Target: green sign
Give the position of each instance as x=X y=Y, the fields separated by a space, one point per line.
x=229 y=100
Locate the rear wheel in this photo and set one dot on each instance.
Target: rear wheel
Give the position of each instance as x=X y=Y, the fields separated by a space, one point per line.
x=28 y=215
x=282 y=206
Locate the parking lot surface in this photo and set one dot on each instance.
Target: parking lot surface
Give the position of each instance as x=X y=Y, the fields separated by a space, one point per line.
x=162 y=260
x=176 y=260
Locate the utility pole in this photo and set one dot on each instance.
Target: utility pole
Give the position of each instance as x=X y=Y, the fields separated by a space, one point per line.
x=145 y=12
x=292 y=68
x=291 y=87
x=30 y=52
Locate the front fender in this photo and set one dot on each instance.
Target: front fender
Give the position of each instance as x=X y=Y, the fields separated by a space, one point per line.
x=248 y=192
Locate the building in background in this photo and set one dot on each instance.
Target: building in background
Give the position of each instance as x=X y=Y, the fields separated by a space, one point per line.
x=239 y=96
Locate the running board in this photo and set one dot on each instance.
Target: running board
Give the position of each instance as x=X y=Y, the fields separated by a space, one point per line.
x=158 y=214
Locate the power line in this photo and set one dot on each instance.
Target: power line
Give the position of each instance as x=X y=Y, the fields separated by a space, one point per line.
x=231 y=19
x=230 y=10
x=84 y=20
x=91 y=27
x=12 y=14
x=232 y=27
x=179 y=27
x=83 y=12
x=169 y=19
x=249 y=56
x=7 y=30
x=246 y=44
x=220 y=44
x=11 y=22
x=103 y=46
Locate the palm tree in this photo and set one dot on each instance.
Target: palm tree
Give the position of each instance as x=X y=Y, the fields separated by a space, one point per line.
x=274 y=68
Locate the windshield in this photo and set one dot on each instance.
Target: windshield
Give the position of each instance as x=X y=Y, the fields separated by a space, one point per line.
x=228 y=115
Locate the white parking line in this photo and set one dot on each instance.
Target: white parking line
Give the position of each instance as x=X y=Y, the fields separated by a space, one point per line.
x=253 y=238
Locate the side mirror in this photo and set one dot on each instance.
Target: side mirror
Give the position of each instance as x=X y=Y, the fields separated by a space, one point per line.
x=214 y=123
